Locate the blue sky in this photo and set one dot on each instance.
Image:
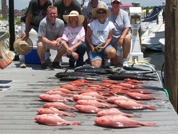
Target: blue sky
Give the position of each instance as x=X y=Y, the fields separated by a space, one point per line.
x=21 y=4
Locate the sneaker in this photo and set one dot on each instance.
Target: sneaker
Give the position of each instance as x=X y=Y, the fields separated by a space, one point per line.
x=125 y=63
x=56 y=64
x=22 y=64
x=44 y=66
x=48 y=62
x=71 y=64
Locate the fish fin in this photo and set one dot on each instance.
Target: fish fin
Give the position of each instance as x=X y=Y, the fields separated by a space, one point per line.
x=149 y=124
x=152 y=107
x=92 y=111
x=61 y=124
x=75 y=123
x=60 y=115
x=71 y=115
x=135 y=116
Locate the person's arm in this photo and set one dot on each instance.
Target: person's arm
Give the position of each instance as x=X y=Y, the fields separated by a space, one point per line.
x=59 y=40
x=77 y=45
x=85 y=24
x=25 y=34
x=68 y=50
x=89 y=34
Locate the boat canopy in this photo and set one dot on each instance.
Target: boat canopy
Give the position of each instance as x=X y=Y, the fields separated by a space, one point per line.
x=154 y=13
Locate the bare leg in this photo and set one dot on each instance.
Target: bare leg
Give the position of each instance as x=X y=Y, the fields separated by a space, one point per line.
x=41 y=52
x=126 y=46
x=116 y=60
x=110 y=53
x=75 y=55
x=60 y=52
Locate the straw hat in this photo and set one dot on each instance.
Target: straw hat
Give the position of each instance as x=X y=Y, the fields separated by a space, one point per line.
x=94 y=11
x=23 y=47
x=71 y=14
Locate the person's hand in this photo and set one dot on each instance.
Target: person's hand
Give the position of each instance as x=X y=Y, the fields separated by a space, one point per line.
x=24 y=36
x=101 y=49
x=55 y=44
x=69 y=51
x=120 y=41
x=93 y=50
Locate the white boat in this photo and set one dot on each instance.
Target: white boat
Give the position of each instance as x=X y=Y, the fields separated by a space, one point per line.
x=162 y=42
x=153 y=31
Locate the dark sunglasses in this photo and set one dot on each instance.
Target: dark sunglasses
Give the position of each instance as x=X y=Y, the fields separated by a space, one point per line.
x=116 y=2
x=101 y=12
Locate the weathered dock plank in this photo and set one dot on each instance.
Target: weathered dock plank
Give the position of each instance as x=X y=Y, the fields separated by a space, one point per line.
x=19 y=101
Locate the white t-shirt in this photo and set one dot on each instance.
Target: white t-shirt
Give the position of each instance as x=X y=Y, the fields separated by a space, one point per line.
x=100 y=32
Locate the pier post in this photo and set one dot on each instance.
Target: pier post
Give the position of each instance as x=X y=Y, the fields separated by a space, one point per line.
x=171 y=51
x=11 y=23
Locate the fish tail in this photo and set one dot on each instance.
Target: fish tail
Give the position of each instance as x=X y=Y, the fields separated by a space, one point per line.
x=149 y=124
x=75 y=123
x=152 y=107
x=135 y=116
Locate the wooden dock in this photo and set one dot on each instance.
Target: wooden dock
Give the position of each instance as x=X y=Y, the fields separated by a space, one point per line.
x=19 y=101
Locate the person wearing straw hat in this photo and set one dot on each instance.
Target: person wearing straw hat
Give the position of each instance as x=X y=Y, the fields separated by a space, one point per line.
x=50 y=32
x=36 y=11
x=87 y=12
x=73 y=38
x=99 y=35
x=121 y=35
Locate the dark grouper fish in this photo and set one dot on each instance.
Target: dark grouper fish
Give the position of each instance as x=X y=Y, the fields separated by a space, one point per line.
x=125 y=76
x=72 y=78
x=91 y=69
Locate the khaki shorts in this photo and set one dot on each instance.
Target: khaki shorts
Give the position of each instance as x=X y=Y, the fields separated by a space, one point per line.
x=50 y=46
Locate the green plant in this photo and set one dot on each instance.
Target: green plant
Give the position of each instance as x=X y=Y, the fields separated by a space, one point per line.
x=17 y=21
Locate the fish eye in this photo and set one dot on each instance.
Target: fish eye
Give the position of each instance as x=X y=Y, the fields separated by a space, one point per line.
x=102 y=120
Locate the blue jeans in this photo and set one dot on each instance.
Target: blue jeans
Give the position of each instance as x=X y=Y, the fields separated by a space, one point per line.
x=80 y=51
x=98 y=56
x=30 y=27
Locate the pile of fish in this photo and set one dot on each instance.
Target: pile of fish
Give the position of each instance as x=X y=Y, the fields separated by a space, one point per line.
x=106 y=99
x=93 y=73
